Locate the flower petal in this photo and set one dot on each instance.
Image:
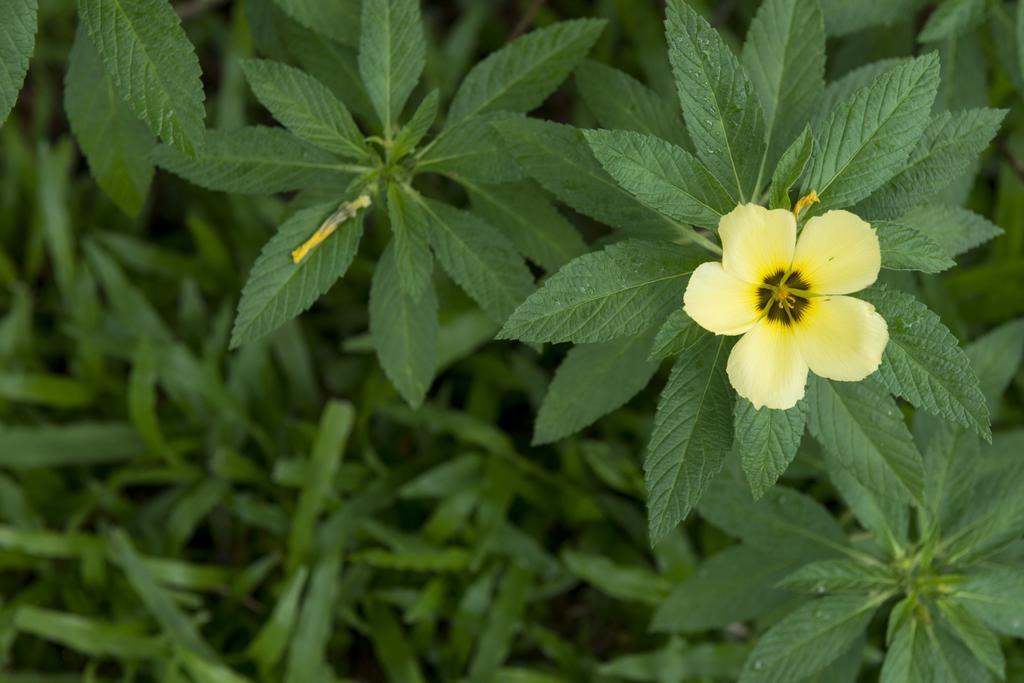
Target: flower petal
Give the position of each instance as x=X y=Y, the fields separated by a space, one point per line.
x=757 y=242
x=841 y=337
x=719 y=302
x=766 y=367
x=838 y=253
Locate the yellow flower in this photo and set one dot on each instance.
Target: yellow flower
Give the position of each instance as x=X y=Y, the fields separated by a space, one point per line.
x=784 y=297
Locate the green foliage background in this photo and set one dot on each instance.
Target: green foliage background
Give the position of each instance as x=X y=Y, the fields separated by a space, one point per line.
x=190 y=496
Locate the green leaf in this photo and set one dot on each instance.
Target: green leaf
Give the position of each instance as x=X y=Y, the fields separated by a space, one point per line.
x=677 y=335
x=924 y=364
x=409 y=232
x=278 y=289
x=664 y=177
x=471 y=152
x=521 y=75
x=767 y=441
x=392 y=52
x=948 y=147
x=419 y=124
x=621 y=102
x=305 y=106
x=17 y=41
x=843 y=17
x=736 y=584
x=336 y=19
x=885 y=518
x=692 y=434
x=955 y=229
x=478 y=258
x=495 y=640
x=270 y=643
x=592 y=381
x=953 y=18
x=860 y=426
x=328 y=451
x=840 y=576
x=721 y=107
x=115 y=142
x=840 y=89
x=783 y=520
x=394 y=652
x=868 y=137
x=87 y=636
x=785 y=58
x=996 y=596
x=909 y=657
x=404 y=331
x=996 y=358
x=982 y=643
x=619 y=291
x=157 y=600
x=525 y=216
x=906 y=248
x=629 y=583
x=307 y=649
x=153 y=65
x=809 y=638
x=790 y=168
x=559 y=158
x=254 y=160
x=82 y=443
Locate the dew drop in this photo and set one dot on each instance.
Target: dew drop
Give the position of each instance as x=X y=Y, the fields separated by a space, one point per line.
x=759 y=665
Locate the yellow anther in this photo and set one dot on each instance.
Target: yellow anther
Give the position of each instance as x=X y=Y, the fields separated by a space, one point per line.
x=346 y=211
x=805 y=201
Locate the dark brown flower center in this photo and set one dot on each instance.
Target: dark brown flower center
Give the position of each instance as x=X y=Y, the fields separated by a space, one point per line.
x=782 y=297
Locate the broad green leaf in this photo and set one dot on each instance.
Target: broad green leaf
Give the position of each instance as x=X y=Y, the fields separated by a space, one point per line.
x=869 y=136
x=783 y=520
x=809 y=638
x=677 y=335
x=924 y=364
x=909 y=657
x=840 y=576
x=887 y=519
x=525 y=216
x=559 y=158
x=115 y=142
x=721 y=107
x=790 y=169
x=153 y=64
x=17 y=41
x=664 y=177
x=737 y=584
x=860 y=426
x=840 y=89
x=843 y=17
x=785 y=58
x=157 y=599
x=278 y=289
x=953 y=18
x=953 y=228
x=392 y=52
x=620 y=102
x=767 y=441
x=82 y=443
x=471 y=152
x=950 y=144
x=996 y=596
x=618 y=291
x=521 y=75
x=412 y=133
x=328 y=451
x=254 y=160
x=404 y=331
x=906 y=248
x=272 y=640
x=305 y=106
x=88 y=636
x=409 y=234
x=394 y=651
x=477 y=257
x=622 y=582
x=982 y=643
x=334 y=19
x=996 y=358
x=692 y=434
x=592 y=381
